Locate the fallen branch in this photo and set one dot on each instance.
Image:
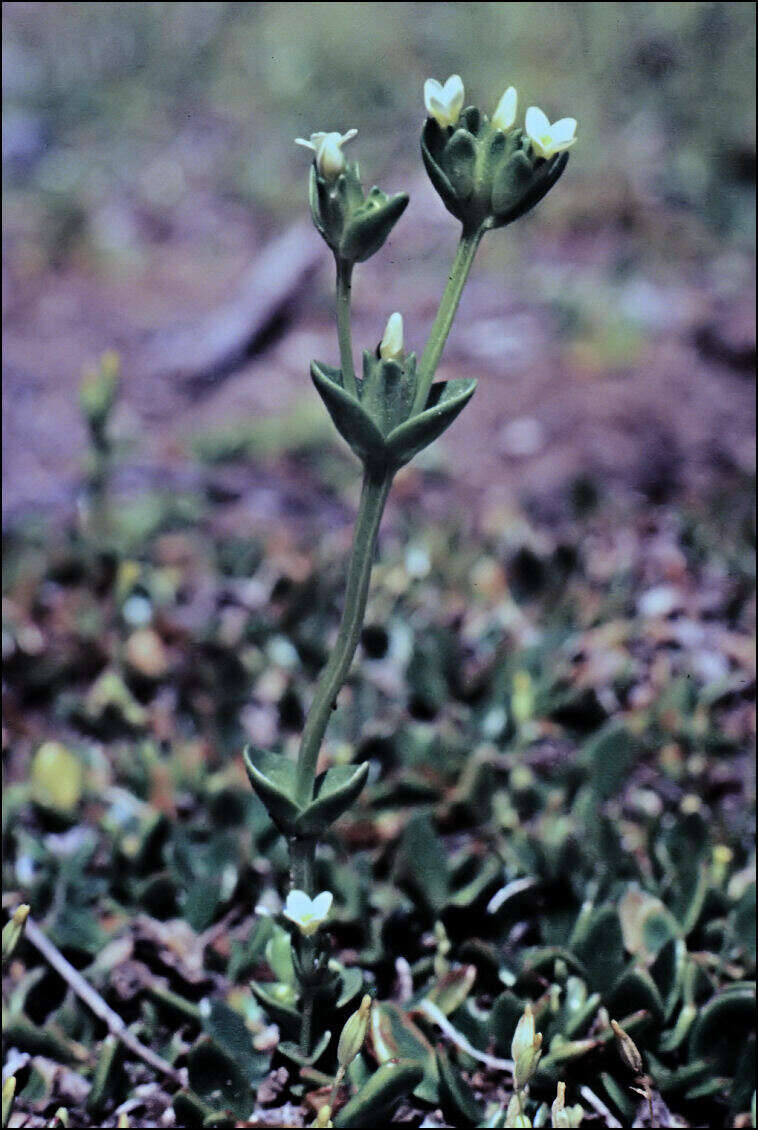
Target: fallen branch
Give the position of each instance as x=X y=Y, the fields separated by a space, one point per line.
x=203 y=353
x=85 y=992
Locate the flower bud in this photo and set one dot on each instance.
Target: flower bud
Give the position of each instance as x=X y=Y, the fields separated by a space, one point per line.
x=525 y=1049
x=391 y=345
x=628 y=1050
x=9 y=1092
x=353 y=1034
x=330 y=160
x=505 y=113
x=324 y=1117
x=515 y=1115
x=565 y=1117
x=13 y=930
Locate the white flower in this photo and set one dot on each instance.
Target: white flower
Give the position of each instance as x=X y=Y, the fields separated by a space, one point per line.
x=307 y=913
x=444 y=103
x=505 y=113
x=391 y=345
x=330 y=160
x=549 y=139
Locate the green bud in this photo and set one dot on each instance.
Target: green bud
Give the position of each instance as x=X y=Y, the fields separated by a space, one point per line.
x=487 y=176
x=353 y=1034
x=525 y=1049
x=628 y=1050
x=354 y=224
x=562 y=1115
x=13 y=930
x=9 y=1092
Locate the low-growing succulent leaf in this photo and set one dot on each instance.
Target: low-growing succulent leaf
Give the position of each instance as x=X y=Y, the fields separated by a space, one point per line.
x=601 y=949
x=105 y=1083
x=610 y=756
x=456 y=1099
x=395 y=1036
x=646 y=924
x=451 y=989
x=293 y=1052
x=216 y=1077
x=378 y=1097
x=279 y=1002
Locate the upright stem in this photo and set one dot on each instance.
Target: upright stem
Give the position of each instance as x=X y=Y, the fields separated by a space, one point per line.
x=376 y=487
x=464 y=257
x=344 y=282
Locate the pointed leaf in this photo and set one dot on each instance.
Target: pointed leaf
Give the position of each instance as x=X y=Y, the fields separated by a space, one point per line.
x=272 y=777
x=373 y=1104
x=334 y=793
x=292 y=1051
x=458 y=1104
x=351 y=421
x=446 y=400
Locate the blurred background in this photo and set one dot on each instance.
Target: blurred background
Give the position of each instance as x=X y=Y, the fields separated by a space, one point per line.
x=149 y=165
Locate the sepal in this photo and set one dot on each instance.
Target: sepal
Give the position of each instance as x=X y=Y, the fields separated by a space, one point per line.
x=355 y=225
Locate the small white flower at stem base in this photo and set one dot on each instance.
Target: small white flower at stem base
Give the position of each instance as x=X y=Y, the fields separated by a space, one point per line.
x=444 y=103
x=330 y=160
x=505 y=112
x=308 y=914
x=548 y=139
x=391 y=345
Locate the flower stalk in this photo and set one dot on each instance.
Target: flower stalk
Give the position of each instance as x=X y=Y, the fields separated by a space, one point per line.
x=488 y=173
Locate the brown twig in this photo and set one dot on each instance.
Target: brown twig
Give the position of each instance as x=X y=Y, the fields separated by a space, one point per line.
x=85 y=992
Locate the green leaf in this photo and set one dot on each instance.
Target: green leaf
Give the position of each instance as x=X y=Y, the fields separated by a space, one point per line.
x=228 y=1030
x=335 y=791
x=272 y=777
x=292 y=1051
x=421 y=863
x=351 y=421
x=370 y=225
x=395 y=1036
x=375 y=1101
x=610 y=756
x=446 y=400
x=282 y=1010
x=450 y=991
x=218 y=1079
x=458 y=1104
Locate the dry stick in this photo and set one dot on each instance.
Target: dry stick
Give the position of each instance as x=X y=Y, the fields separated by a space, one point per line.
x=438 y=1017
x=116 y=1026
x=598 y=1106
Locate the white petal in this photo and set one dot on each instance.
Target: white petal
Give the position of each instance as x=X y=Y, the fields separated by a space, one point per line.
x=536 y=122
x=297 y=904
x=453 y=90
x=432 y=89
x=563 y=130
x=505 y=112
x=351 y=133
x=321 y=904
x=303 y=142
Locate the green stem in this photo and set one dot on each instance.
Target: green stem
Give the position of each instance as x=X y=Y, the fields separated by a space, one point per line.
x=376 y=487
x=464 y=257
x=344 y=282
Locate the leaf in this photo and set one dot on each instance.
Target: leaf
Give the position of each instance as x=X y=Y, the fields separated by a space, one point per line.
x=292 y=1051
x=218 y=1079
x=228 y=1030
x=272 y=777
x=281 y=1009
x=446 y=400
x=376 y=1100
x=395 y=1036
x=610 y=756
x=354 y=424
x=421 y=863
x=450 y=991
x=335 y=791
x=458 y=1105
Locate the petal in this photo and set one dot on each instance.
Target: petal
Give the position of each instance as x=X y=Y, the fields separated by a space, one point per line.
x=303 y=142
x=536 y=122
x=297 y=904
x=322 y=904
x=351 y=133
x=432 y=89
x=505 y=112
x=453 y=90
x=563 y=130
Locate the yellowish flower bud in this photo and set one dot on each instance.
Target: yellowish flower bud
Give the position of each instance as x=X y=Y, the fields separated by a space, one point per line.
x=505 y=112
x=330 y=160
x=13 y=930
x=324 y=1117
x=391 y=345
x=525 y=1049
x=353 y=1034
